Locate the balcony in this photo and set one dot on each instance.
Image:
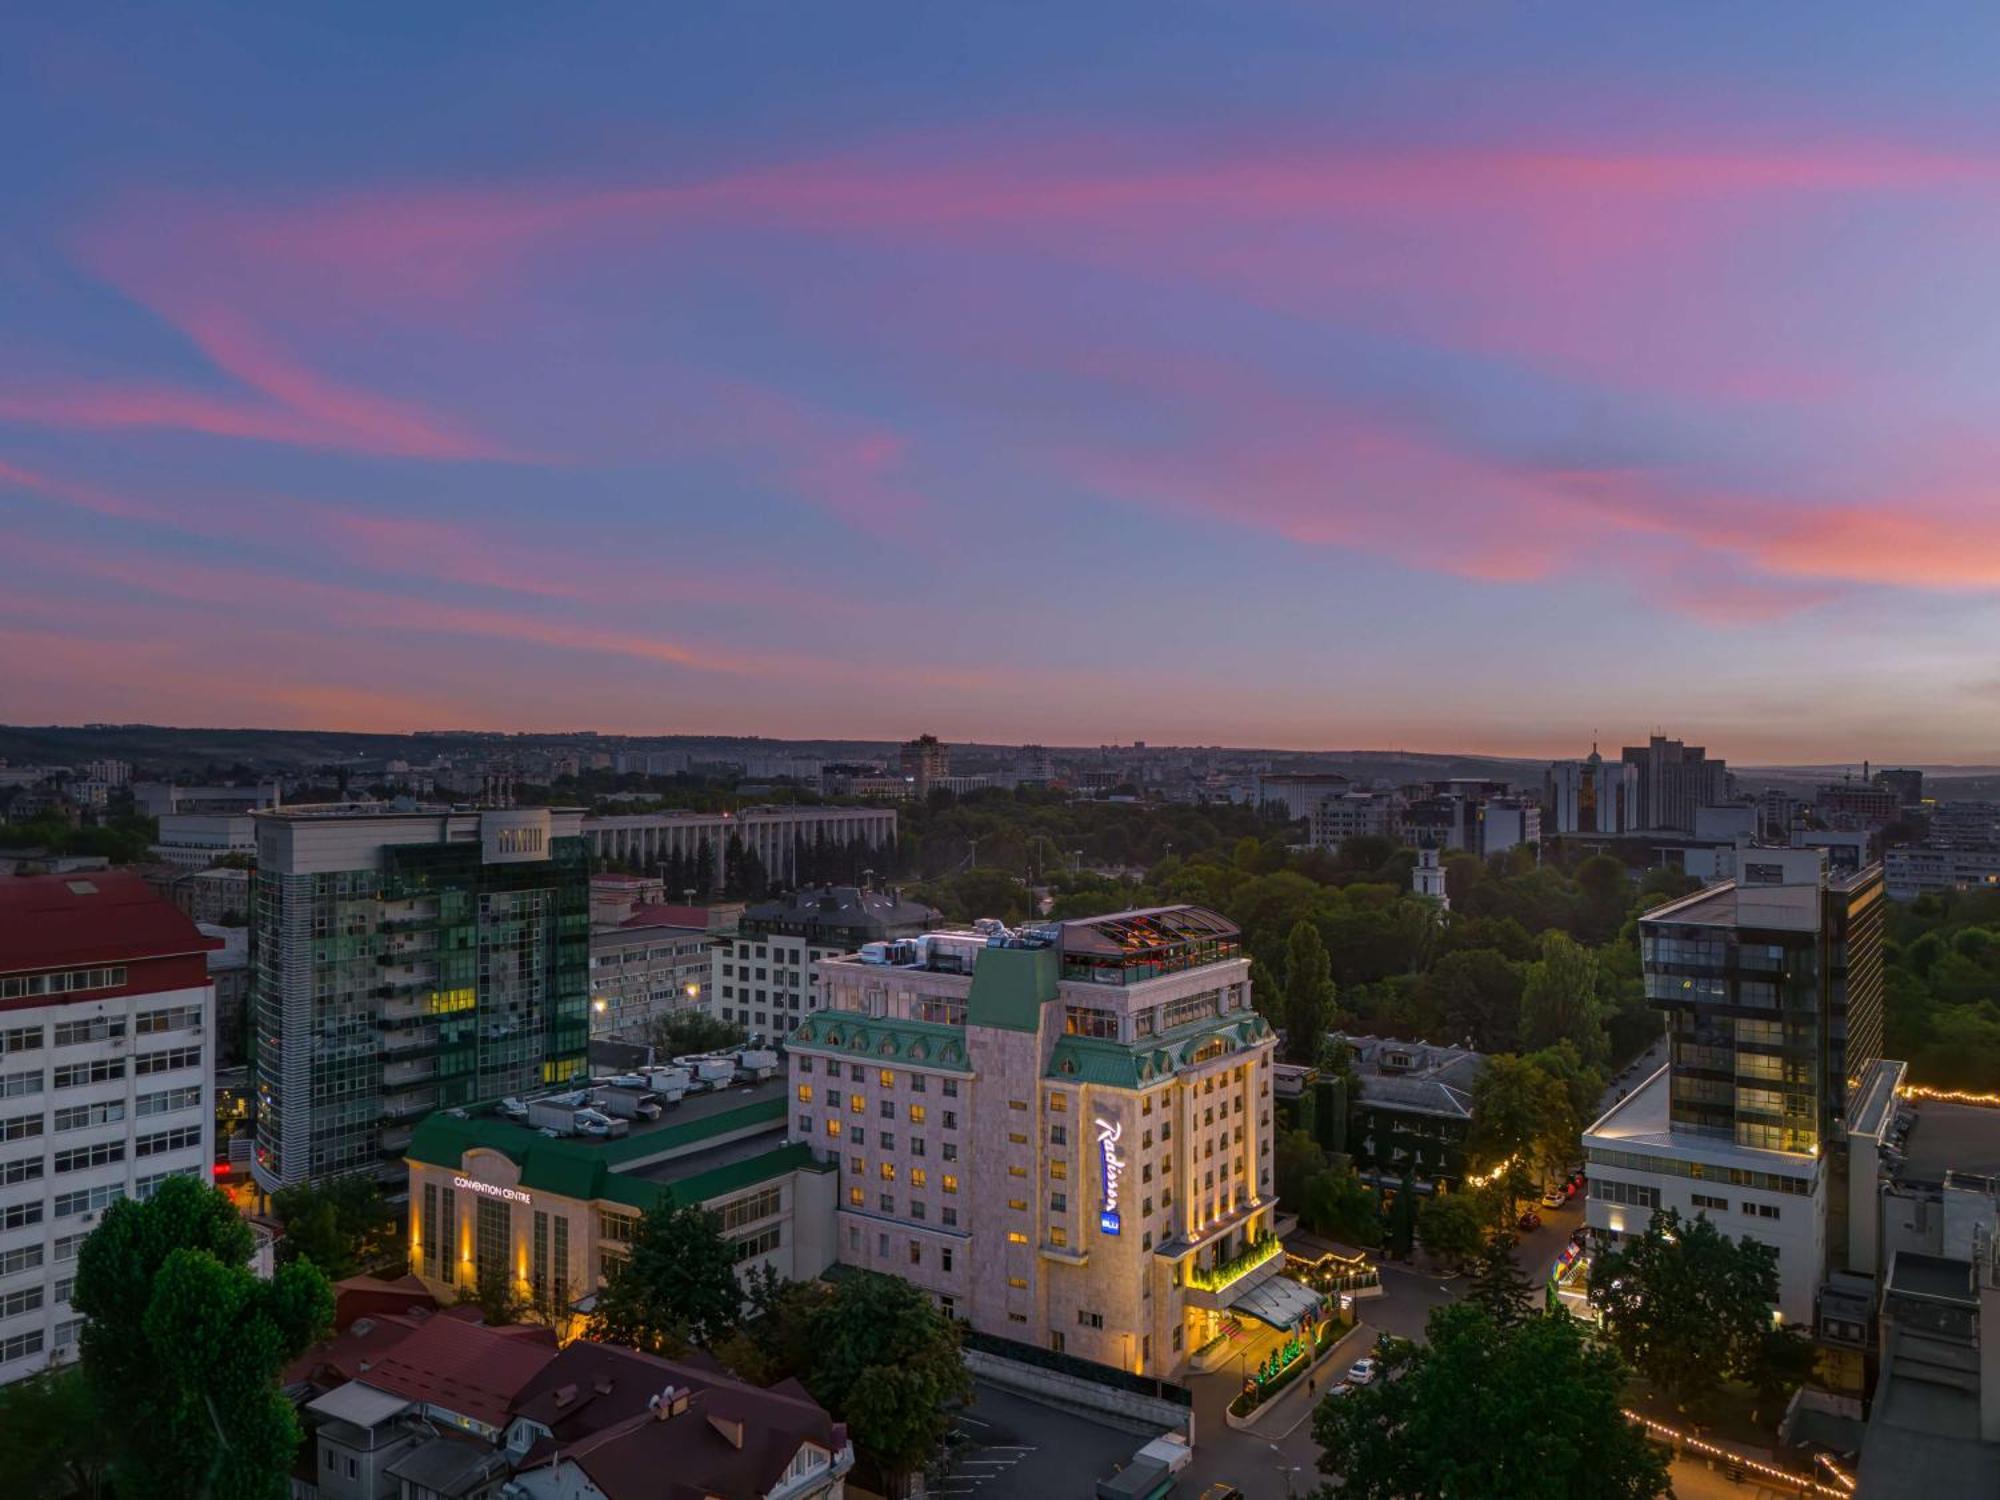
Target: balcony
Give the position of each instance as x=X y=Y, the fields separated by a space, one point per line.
x=1217 y=1287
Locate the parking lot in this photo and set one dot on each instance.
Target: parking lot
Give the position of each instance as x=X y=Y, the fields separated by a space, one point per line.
x=1017 y=1447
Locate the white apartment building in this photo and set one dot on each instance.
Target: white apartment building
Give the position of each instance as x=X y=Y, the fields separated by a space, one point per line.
x=763 y=976
x=644 y=970
x=1063 y=1135
x=776 y=835
x=1349 y=815
x=106 y=1078
x=194 y=841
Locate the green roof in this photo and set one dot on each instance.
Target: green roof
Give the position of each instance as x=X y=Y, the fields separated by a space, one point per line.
x=570 y=1168
x=1099 y=1060
x=1010 y=986
x=926 y=1044
x=443 y=1139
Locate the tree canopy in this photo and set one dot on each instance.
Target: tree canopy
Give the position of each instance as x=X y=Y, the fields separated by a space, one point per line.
x=677 y=1287
x=185 y=1344
x=1309 y=994
x=1483 y=1408
x=342 y=1226
x=1687 y=1305
x=887 y=1361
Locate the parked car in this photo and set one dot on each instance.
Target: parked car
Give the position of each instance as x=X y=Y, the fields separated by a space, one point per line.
x=1555 y=1197
x=1361 y=1372
x=1222 y=1489
x=1529 y=1220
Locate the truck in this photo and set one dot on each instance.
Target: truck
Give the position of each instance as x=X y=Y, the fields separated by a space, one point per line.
x=669 y=1083
x=1169 y=1448
x=1141 y=1479
x=715 y=1072
x=627 y=1103
x=757 y=1065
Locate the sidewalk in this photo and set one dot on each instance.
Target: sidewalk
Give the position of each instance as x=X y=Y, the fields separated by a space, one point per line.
x=1279 y=1418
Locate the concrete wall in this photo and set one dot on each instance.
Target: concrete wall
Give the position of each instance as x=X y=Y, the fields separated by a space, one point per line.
x=1147 y=1412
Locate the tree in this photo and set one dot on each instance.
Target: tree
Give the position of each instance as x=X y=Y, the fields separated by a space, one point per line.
x=1519 y=1113
x=499 y=1303
x=342 y=1226
x=1477 y=991
x=775 y=1340
x=1498 y=1286
x=1337 y=1203
x=1559 y=1000
x=185 y=1344
x=1483 y=1409
x=677 y=1287
x=1687 y=1305
x=1403 y=1216
x=684 y=1031
x=888 y=1365
x=1298 y=1156
x=54 y=1443
x=1452 y=1226
x=1309 y=994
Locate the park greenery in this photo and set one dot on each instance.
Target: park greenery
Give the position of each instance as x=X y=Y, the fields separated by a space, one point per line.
x=1943 y=982
x=1524 y=1404
x=343 y=1226
x=183 y=1346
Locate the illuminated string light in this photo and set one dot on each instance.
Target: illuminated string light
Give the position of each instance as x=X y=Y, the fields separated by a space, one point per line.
x=1948 y=1096
x=1805 y=1484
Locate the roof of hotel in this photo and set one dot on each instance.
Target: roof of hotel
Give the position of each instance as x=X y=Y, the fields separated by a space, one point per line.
x=1143 y=930
x=930 y=1044
x=104 y=916
x=1642 y=1120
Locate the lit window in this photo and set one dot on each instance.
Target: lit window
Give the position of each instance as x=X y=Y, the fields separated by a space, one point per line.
x=805 y=1093
x=888 y=1079
x=1015 y=1237
x=854 y=1196
x=1017 y=1171
x=918 y=1177
x=1059 y=1102
x=888 y=1171
x=1017 y=1104
x=1020 y=1204
x=1020 y=1284
x=833 y=1127
x=1059 y=1169
x=950 y=1183
x=855 y=1104
x=1059 y=1236
x=916 y=1114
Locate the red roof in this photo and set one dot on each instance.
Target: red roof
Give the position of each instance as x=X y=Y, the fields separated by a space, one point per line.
x=466 y=1368
x=659 y=915
x=90 y=917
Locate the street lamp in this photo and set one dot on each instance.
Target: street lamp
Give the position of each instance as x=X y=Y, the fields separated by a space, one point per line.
x=1288 y=1470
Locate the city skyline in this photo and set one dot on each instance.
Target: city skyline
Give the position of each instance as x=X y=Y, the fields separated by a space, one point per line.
x=1282 y=376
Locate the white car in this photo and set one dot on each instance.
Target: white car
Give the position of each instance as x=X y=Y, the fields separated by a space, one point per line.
x=1361 y=1372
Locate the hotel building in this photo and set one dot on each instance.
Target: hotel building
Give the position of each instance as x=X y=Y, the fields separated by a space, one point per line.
x=406 y=962
x=1772 y=988
x=105 y=1080
x=1063 y=1134
x=776 y=835
x=764 y=977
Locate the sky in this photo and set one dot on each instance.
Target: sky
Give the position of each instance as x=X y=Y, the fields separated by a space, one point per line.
x=1438 y=376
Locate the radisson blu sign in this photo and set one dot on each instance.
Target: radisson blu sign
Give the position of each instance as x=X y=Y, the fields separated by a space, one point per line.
x=1113 y=1167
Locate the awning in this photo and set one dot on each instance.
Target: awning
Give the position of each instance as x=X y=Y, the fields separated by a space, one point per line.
x=1279 y=1301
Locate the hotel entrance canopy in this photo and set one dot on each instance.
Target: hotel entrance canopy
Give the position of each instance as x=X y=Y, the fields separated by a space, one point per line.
x=1277 y=1300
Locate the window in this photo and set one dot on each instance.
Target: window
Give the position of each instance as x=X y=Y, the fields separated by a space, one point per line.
x=168 y=1101
x=90 y=1029
x=855 y=1104
x=1634 y=1194
x=950 y=1120
x=17 y=1085
x=173 y=1018
x=1015 y=1237
x=65 y=983
x=1058 y=1135
x=805 y=1124
x=1017 y=1138
x=950 y=1184
x=1017 y=1170
x=67 y=1245
x=1086 y=1319
x=167 y=1140
x=916 y=1253
x=887 y=1077
x=805 y=1093
x=1058 y=1169
x=951 y=1088
x=1019 y=1284
x=916 y=1114
x=1059 y=1236
x=20 y=1039
x=1017 y=1104
x=27 y=1299
x=949 y=1216
x=888 y=1171
x=805 y=1064
x=1761 y=1210
x=918 y=1177
x=20 y=1127
x=917 y=1084
x=22 y=1169
x=1059 y=1102
x=19 y=1215
x=84 y=1201
x=832 y=1126
x=1019 y=1205
x=20 y=1346
x=1058 y=1203
x=854 y=1197
x=1702 y=1200
x=857 y=1166
x=165 y=1062
x=24 y=1259
x=82 y=1158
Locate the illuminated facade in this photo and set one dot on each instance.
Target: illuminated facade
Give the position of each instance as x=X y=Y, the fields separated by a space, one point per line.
x=1064 y=1135
x=1772 y=988
x=557 y=1216
x=406 y=962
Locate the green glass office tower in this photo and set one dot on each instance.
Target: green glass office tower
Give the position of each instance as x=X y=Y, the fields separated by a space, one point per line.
x=403 y=962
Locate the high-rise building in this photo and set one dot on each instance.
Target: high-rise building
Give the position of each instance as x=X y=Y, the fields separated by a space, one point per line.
x=1593 y=795
x=106 y=1076
x=1675 y=780
x=1772 y=984
x=1908 y=785
x=1064 y=1135
x=924 y=761
x=404 y=962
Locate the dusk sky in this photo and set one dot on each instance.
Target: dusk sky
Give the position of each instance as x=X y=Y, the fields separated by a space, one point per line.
x=1435 y=376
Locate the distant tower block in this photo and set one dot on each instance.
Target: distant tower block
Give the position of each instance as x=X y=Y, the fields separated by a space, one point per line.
x=1427 y=879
